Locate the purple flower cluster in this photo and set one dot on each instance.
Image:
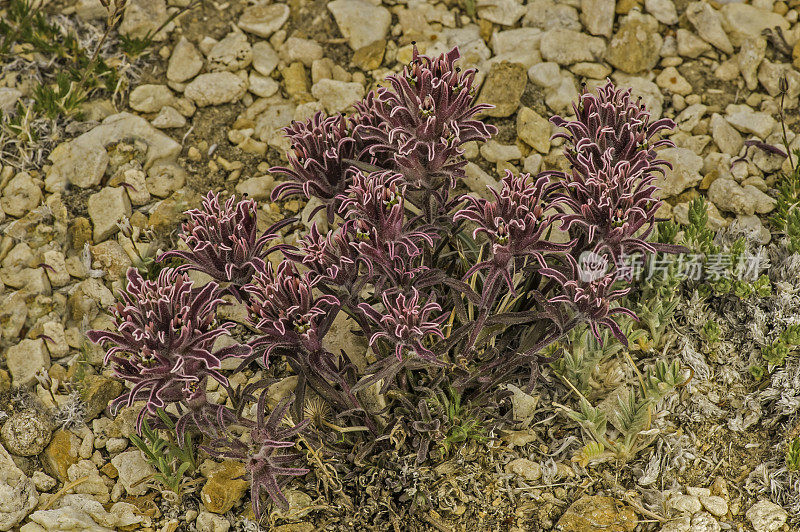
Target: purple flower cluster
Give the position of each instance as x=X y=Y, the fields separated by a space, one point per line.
x=163 y=344
x=607 y=201
x=414 y=128
x=590 y=296
x=321 y=160
x=515 y=224
x=466 y=292
x=224 y=241
x=407 y=323
x=332 y=258
x=284 y=309
x=375 y=214
x=609 y=196
x=423 y=119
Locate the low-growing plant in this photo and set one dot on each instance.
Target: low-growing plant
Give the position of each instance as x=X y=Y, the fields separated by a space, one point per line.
x=462 y=425
x=786 y=217
x=163 y=344
x=439 y=421
x=141 y=246
x=455 y=294
x=82 y=72
x=18 y=123
x=657 y=296
x=266 y=463
x=632 y=415
x=25 y=21
x=793 y=455
x=787 y=340
x=71 y=413
x=711 y=331
x=171 y=458
x=724 y=267
x=77 y=73
x=582 y=353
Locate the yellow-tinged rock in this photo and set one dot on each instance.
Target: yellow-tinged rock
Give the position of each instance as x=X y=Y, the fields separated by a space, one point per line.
x=295 y=82
x=60 y=454
x=708 y=179
x=224 y=488
x=370 y=57
x=295 y=527
x=796 y=55
x=624 y=6
x=486 y=29
x=592 y=513
x=97 y=392
x=109 y=470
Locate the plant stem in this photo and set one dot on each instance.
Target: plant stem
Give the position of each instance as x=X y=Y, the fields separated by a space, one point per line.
x=64 y=490
x=784 y=89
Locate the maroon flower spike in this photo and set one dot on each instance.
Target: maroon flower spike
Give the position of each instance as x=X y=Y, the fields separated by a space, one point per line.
x=332 y=257
x=515 y=223
x=423 y=120
x=614 y=207
x=284 y=309
x=223 y=241
x=406 y=323
x=611 y=121
x=377 y=201
x=376 y=223
x=609 y=193
x=590 y=291
x=268 y=466
x=165 y=332
x=320 y=164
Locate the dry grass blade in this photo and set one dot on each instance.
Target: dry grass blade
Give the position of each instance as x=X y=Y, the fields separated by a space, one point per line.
x=60 y=493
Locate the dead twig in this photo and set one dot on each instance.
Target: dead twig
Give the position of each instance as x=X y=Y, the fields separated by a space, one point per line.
x=60 y=493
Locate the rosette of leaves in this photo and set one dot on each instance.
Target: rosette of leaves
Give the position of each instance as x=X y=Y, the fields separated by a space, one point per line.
x=267 y=463
x=584 y=354
x=632 y=416
x=775 y=352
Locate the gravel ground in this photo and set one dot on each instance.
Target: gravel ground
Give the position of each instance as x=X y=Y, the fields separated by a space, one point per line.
x=203 y=109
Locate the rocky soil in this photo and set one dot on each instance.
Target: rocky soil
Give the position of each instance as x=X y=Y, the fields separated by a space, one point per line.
x=204 y=110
